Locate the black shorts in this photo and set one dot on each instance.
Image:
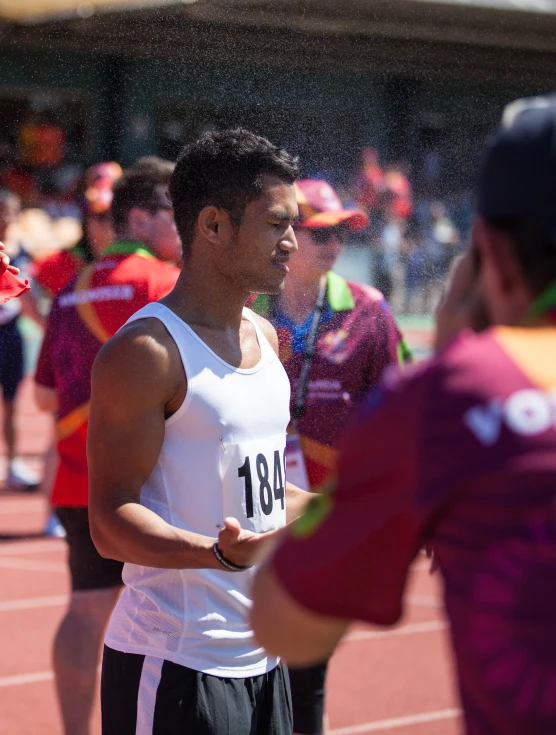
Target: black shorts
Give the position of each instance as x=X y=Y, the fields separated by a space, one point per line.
x=307 y=687
x=11 y=359
x=144 y=695
x=89 y=571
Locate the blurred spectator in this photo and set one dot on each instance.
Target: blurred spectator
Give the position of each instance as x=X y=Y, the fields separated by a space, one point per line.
x=399 y=191
x=389 y=255
x=19 y=476
x=56 y=271
x=60 y=196
x=415 y=267
x=369 y=183
x=81 y=320
x=16 y=177
x=442 y=240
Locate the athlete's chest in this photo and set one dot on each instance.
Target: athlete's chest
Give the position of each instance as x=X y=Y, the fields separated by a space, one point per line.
x=239 y=349
x=232 y=433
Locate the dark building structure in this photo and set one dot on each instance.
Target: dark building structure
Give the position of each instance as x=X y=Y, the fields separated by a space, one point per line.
x=421 y=80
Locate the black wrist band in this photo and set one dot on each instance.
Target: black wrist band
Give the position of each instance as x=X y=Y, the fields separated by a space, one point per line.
x=230 y=566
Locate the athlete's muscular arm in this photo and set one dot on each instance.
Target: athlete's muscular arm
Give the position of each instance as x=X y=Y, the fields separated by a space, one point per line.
x=137 y=382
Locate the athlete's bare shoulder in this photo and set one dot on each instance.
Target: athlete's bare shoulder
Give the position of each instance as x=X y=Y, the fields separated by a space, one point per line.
x=266 y=328
x=142 y=356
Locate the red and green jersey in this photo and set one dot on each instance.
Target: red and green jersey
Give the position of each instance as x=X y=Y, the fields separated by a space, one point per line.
x=460 y=454
x=55 y=272
x=84 y=315
x=357 y=339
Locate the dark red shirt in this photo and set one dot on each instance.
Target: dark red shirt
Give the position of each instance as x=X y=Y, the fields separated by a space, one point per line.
x=357 y=340
x=459 y=453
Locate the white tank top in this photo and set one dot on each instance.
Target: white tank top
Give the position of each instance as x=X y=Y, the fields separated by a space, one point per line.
x=223 y=455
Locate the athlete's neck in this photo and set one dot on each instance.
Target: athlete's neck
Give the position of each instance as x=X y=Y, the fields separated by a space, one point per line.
x=204 y=297
x=298 y=299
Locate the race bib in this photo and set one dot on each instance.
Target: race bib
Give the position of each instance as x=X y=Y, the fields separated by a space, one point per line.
x=295 y=463
x=254 y=483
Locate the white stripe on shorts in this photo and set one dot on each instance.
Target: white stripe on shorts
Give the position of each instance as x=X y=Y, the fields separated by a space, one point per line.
x=146 y=696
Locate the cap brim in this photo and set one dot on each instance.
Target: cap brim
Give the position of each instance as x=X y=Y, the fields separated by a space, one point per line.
x=356 y=219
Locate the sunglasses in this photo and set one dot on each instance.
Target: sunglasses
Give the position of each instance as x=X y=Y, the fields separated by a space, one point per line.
x=323 y=235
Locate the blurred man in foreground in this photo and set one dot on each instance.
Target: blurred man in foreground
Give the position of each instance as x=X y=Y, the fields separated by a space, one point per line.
x=467 y=448
x=85 y=314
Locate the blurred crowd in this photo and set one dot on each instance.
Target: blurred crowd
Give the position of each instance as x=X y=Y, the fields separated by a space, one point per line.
x=412 y=237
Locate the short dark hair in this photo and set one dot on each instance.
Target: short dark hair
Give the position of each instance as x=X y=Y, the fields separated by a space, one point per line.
x=144 y=185
x=224 y=169
x=534 y=248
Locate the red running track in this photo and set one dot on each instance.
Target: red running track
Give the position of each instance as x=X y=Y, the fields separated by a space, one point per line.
x=397 y=681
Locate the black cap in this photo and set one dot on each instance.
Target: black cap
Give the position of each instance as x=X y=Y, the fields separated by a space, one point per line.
x=518 y=174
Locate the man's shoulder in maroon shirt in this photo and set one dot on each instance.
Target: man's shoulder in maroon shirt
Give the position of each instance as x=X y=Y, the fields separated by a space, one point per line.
x=464 y=457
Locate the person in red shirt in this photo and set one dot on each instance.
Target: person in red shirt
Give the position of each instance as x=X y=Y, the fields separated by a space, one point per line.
x=53 y=273
x=85 y=314
x=464 y=461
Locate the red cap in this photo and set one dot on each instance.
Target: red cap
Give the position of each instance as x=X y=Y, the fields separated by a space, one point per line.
x=99 y=182
x=320 y=206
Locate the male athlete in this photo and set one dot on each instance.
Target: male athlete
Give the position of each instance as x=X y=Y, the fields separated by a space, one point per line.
x=190 y=405
x=336 y=339
x=131 y=273
x=467 y=449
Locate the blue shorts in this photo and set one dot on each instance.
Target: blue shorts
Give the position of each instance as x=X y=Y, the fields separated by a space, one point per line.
x=11 y=359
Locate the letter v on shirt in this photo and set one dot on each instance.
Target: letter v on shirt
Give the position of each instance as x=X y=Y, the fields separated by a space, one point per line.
x=222 y=455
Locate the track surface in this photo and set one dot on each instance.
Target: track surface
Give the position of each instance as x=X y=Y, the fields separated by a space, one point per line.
x=396 y=681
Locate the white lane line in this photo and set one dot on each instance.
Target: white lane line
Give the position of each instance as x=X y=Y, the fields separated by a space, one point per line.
x=411 y=629
x=15 y=507
x=415 y=628
x=12 y=681
x=17 y=548
x=30 y=603
x=429 y=626
x=28 y=565
x=380 y=725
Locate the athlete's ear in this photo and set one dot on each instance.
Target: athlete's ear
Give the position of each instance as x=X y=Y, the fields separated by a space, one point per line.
x=214 y=225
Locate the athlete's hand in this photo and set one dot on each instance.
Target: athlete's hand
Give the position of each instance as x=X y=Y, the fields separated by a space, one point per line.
x=240 y=546
x=6 y=261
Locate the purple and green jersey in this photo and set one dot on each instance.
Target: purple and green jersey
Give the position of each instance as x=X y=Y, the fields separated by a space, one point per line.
x=460 y=454
x=357 y=339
